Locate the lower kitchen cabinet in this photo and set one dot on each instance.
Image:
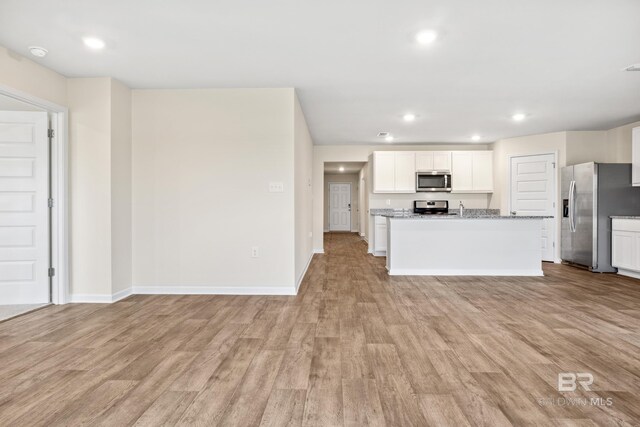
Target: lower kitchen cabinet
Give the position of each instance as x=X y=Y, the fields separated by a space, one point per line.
x=625 y=246
x=380 y=236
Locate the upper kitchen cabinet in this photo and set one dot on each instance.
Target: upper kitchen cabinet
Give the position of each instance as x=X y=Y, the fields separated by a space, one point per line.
x=635 y=148
x=384 y=172
x=394 y=172
x=427 y=161
x=472 y=171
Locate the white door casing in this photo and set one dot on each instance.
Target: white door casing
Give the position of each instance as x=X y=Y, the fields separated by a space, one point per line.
x=339 y=206
x=533 y=188
x=24 y=211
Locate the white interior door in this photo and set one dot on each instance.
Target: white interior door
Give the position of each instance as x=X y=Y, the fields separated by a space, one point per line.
x=24 y=211
x=339 y=206
x=533 y=187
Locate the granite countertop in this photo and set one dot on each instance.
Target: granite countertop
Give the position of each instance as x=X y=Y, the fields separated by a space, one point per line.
x=465 y=216
x=625 y=217
x=453 y=214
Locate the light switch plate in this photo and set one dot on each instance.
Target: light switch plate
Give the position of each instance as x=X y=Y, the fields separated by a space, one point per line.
x=276 y=187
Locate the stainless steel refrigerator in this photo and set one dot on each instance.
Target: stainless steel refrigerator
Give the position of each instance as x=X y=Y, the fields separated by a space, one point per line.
x=591 y=193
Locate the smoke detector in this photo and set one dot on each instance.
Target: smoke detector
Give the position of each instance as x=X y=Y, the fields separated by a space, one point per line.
x=38 y=51
x=634 y=67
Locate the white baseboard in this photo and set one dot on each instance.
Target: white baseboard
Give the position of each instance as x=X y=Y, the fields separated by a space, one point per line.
x=214 y=290
x=427 y=272
x=190 y=290
x=100 y=298
x=122 y=294
x=318 y=251
x=304 y=272
x=628 y=273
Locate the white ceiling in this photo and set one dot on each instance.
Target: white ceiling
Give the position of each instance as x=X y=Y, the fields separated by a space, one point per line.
x=355 y=63
x=349 y=167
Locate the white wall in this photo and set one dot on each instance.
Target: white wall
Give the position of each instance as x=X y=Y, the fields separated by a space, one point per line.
x=121 y=224
x=359 y=153
x=100 y=175
x=90 y=178
x=354 y=180
x=619 y=143
x=18 y=72
x=202 y=162
x=303 y=163
x=363 y=200
x=587 y=146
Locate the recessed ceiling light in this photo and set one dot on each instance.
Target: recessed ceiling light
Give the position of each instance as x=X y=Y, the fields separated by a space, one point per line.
x=475 y=138
x=409 y=117
x=632 y=67
x=389 y=138
x=341 y=168
x=426 y=37
x=518 y=117
x=38 y=51
x=93 y=43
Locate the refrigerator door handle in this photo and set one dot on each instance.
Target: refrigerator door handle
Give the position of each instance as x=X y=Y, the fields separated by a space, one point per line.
x=572 y=206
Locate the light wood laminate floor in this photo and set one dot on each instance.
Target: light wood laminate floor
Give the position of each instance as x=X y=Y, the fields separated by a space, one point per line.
x=355 y=347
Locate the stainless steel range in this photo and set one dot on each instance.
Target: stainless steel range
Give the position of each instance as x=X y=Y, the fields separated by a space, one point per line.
x=431 y=207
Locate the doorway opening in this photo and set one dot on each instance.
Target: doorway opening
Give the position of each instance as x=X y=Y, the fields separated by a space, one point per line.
x=33 y=241
x=344 y=204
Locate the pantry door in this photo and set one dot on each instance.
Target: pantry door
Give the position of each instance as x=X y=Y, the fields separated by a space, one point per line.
x=24 y=210
x=533 y=189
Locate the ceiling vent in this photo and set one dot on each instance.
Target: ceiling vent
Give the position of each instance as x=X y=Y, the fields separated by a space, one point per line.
x=634 y=67
x=383 y=134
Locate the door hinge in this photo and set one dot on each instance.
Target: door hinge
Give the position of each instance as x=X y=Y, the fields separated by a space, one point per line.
x=554 y=164
x=51 y=133
x=52 y=271
x=50 y=202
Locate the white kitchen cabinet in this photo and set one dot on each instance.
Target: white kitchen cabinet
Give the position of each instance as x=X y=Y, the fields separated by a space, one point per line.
x=472 y=171
x=384 y=172
x=442 y=160
x=625 y=246
x=380 y=236
x=635 y=149
x=424 y=161
x=427 y=161
x=405 y=172
x=622 y=249
x=461 y=171
x=394 y=172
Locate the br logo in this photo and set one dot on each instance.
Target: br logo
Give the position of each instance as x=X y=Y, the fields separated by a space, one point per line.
x=567 y=381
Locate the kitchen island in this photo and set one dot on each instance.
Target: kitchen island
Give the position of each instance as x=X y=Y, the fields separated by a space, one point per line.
x=474 y=245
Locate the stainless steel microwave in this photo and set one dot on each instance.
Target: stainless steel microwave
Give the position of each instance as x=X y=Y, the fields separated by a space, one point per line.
x=433 y=181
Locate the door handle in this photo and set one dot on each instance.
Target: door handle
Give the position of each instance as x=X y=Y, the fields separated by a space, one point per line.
x=572 y=206
x=513 y=212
